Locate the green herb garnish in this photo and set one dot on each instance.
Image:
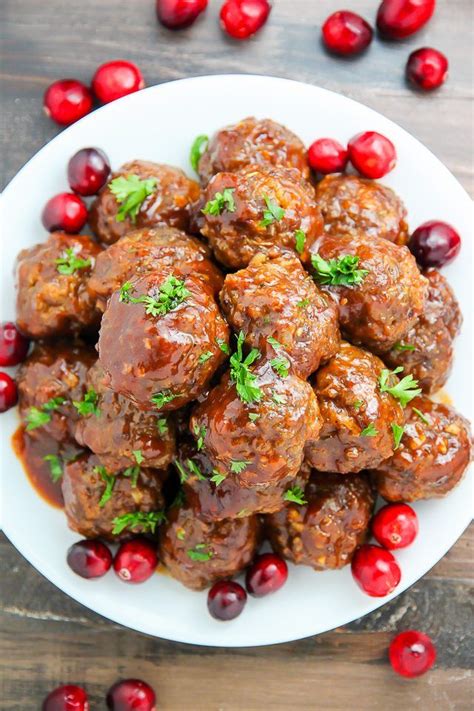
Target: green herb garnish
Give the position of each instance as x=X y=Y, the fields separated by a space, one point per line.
x=39 y=416
x=295 y=495
x=300 y=239
x=404 y=347
x=223 y=346
x=55 y=466
x=303 y=303
x=162 y=425
x=200 y=553
x=403 y=390
x=197 y=149
x=204 y=357
x=183 y=474
x=422 y=417
x=237 y=466
x=146 y=521
x=167 y=297
x=222 y=201
x=274 y=343
x=397 y=431
x=338 y=272
x=194 y=469
x=200 y=434
x=132 y=473
x=131 y=193
x=69 y=262
x=272 y=213
x=279 y=399
x=369 y=431
x=109 y=481
x=217 y=478
x=244 y=379
x=253 y=416
x=88 y=404
x=281 y=366
x=163 y=398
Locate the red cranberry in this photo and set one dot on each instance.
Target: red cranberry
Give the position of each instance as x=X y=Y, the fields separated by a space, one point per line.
x=434 y=244
x=242 y=18
x=115 y=79
x=427 y=68
x=411 y=653
x=327 y=156
x=226 y=600
x=135 y=560
x=397 y=19
x=131 y=695
x=13 y=345
x=395 y=526
x=346 y=33
x=375 y=570
x=177 y=14
x=267 y=575
x=66 y=212
x=88 y=170
x=89 y=558
x=372 y=154
x=66 y=698
x=8 y=392
x=66 y=101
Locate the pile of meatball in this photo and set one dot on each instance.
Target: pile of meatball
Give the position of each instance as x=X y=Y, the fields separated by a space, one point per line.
x=252 y=407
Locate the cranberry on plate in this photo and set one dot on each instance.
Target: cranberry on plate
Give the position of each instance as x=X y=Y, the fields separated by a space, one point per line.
x=177 y=14
x=412 y=653
x=372 y=154
x=66 y=101
x=8 y=392
x=88 y=170
x=434 y=244
x=89 y=558
x=397 y=19
x=395 y=526
x=243 y=18
x=327 y=156
x=135 y=560
x=427 y=68
x=375 y=570
x=266 y=575
x=13 y=345
x=131 y=695
x=346 y=33
x=65 y=212
x=113 y=80
x=66 y=698
x=226 y=600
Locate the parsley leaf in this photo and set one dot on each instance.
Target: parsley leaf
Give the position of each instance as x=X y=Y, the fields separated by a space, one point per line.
x=397 y=431
x=55 y=466
x=109 y=480
x=274 y=343
x=295 y=495
x=131 y=192
x=253 y=416
x=404 y=347
x=167 y=297
x=197 y=149
x=183 y=474
x=357 y=404
x=39 y=416
x=272 y=213
x=223 y=346
x=88 y=404
x=133 y=473
x=163 y=398
x=200 y=553
x=137 y=453
x=138 y=519
x=422 y=417
x=162 y=425
x=338 y=272
x=205 y=357
x=281 y=366
x=279 y=399
x=217 y=478
x=303 y=303
x=180 y=534
x=194 y=469
x=244 y=379
x=369 y=431
x=300 y=239
x=222 y=201
x=237 y=466
x=69 y=262
x=200 y=433
x=403 y=390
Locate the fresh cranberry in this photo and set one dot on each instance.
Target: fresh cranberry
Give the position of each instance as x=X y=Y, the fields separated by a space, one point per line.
x=8 y=392
x=267 y=575
x=395 y=526
x=13 y=345
x=346 y=33
x=66 y=698
x=397 y=19
x=372 y=154
x=66 y=101
x=131 y=695
x=135 y=560
x=327 y=156
x=434 y=244
x=115 y=79
x=88 y=170
x=66 y=212
x=427 y=68
x=375 y=570
x=226 y=600
x=177 y=14
x=242 y=18
x=411 y=653
x=89 y=558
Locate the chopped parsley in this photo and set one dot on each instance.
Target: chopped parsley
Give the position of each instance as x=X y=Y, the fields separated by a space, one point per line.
x=281 y=366
x=404 y=347
x=237 y=466
x=303 y=303
x=397 y=432
x=167 y=297
x=197 y=149
x=274 y=343
x=338 y=272
x=204 y=357
x=132 y=473
x=39 y=416
x=200 y=434
x=295 y=495
x=244 y=379
x=272 y=213
x=69 y=262
x=222 y=201
x=138 y=456
x=131 y=193
x=422 y=417
x=279 y=399
x=138 y=519
x=369 y=431
x=357 y=404
x=109 y=481
x=55 y=466
x=183 y=474
x=253 y=416
x=200 y=553
x=300 y=239
x=242 y=513
x=217 y=477
x=162 y=425
x=403 y=390
x=194 y=469
x=223 y=346
x=180 y=534
x=88 y=404
x=163 y=398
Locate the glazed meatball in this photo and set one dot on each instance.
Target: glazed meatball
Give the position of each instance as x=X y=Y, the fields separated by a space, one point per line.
x=254 y=210
x=255 y=142
x=324 y=531
x=262 y=440
x=142 y=251
x=427 y=349
x=122 y=435
x=379 y=309
x=274 y=298
x=50 y=380
x=351 y=206
x=157 y=359
x=198 y=553
x=52 y=280
x=357 y=416
x=92 y=503
x=433 y=455
x=166 y=194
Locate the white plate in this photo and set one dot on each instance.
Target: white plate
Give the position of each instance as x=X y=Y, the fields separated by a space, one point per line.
x=160 y=124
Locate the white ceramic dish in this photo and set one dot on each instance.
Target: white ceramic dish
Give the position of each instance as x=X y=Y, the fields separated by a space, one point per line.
x=160 y=124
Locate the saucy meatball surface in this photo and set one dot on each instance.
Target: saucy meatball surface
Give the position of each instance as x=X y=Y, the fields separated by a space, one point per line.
x=433 y=455
x=357 y=416
x=325 y=531
x=254 y=210
x=274 y=298
x=52 y=295
x=162 y=193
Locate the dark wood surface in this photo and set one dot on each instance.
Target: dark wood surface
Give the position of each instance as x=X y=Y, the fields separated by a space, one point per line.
x=46 y=638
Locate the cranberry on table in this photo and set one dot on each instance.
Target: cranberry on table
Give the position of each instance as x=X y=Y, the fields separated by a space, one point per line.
x=434 y=244
x=131 y=695
x=113 y=80
x=226 y=600
x=177 y=14
x=88 y=170
x=397 y=19
x=135 y=560
x=66 y=698
x=427 y=68
x=243 y=18
x=346 y=33
x=65 y=212
x=267 y=575
x=327 y=156
x=66 y=101
x=395 y=526
x=8 y=392
x=89 y=558
x=372 y=154
x=375 y=570
x=13 y=345
x=412 y=653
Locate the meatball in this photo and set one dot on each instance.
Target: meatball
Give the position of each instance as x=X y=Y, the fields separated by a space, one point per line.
x=52 y=279
x=254 y=210
x=274 y=298
x=255 y=142
x=351 y=206
x=120 y=434
x=50 y=381
x=165 y=200
x=263 y=440
x=94 y=499
x=325 y=531
x=198 y=553
x=142 y=251
x=161 y=340
x=433 y=455
x=427 y=349
x=357 y=417
x=383 y=295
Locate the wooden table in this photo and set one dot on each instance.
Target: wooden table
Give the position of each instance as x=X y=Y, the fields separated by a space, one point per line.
x=46 y=637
